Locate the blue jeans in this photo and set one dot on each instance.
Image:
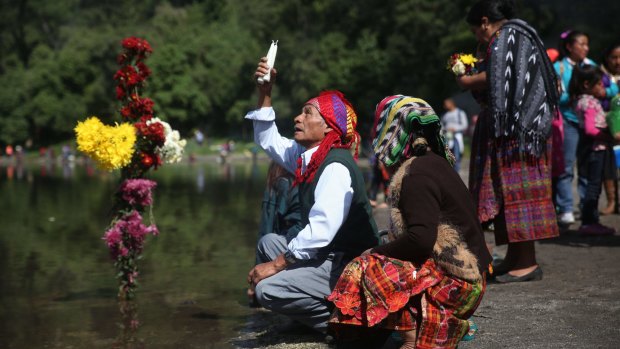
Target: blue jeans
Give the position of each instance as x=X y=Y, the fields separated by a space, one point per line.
x=564 y=183
x=593 y=169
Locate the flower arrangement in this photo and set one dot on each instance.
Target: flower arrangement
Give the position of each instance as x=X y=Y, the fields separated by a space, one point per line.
x=462 y=64
x=139 y=143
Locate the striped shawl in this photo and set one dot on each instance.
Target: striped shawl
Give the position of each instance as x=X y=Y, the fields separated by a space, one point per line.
x=523 y=92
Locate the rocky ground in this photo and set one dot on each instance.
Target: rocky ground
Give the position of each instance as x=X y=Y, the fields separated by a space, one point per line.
x=576 y=305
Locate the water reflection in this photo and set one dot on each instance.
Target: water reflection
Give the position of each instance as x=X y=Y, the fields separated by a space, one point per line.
x=58 y=287
x=128 y=326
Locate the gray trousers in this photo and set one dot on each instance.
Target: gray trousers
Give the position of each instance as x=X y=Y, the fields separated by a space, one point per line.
x=298 y=291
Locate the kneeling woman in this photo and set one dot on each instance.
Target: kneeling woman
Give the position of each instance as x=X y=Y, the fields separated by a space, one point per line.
x=429 y=279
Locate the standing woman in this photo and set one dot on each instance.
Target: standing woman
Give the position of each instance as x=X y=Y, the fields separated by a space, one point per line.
x=510 y=172
x=611 y=73
x=574 y=48
x=611 y=82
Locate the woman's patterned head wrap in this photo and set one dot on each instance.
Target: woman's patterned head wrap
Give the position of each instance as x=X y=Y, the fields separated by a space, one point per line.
x=399 y=120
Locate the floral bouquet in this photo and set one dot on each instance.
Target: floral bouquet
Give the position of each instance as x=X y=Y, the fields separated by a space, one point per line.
x=462 y=64
x=139 y=143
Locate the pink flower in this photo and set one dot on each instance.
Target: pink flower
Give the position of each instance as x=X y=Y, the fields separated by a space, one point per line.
x=137 y=192
x=153 y=229
x=112 y=236
x=127 y=235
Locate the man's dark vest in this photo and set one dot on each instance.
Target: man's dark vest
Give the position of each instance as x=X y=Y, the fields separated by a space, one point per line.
x=359 y=231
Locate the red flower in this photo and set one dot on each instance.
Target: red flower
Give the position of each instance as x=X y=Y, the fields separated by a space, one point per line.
x=126 y=112
x=138 y=108
x=136 y=46
x=144 y=71
x=120 y=93
x=129 y=76
x=121 y=58
x=153 y=132
x=397 y=300
x=347 y=303
x=143 y=106
x=146 y=160
x=145 y=118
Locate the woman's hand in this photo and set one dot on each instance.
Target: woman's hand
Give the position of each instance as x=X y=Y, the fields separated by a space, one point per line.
x=472 y=82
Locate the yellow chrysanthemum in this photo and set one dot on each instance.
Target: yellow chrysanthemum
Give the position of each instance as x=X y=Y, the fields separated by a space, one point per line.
x=468 y=59
x=110 y=146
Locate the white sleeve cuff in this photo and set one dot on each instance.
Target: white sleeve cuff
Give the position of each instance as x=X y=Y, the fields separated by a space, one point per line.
x=262 y=114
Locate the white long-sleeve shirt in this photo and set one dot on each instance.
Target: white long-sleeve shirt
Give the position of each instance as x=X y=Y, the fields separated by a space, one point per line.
x=332 y=195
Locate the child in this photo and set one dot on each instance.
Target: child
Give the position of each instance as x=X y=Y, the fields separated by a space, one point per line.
x=585 y=89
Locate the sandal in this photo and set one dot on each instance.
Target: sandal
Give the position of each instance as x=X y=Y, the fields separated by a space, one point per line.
x=473 y=328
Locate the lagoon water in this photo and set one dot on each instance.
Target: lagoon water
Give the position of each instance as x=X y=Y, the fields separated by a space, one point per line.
x=57 y=283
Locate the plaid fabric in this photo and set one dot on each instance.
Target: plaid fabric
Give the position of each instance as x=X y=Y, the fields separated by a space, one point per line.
x=376 y=290
x=510 y=188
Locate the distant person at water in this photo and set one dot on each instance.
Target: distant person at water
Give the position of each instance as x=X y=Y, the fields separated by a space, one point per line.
x=295 y=277
x=454 y=123
x=199 y=136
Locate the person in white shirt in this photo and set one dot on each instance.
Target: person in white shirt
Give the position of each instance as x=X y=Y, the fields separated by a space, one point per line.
x=454 y=123
x=293 y=279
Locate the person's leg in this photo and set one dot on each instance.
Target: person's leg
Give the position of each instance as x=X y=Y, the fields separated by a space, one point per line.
x=523 y=255
x=609 y=182
x=595 y=161
x=269 y=247
x=564 y=184
x=610 y=194
x=299 y=291
x=520 y=258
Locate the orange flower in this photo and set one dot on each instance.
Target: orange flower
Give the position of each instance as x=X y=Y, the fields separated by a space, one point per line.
x=397 y=300
x=347 y=303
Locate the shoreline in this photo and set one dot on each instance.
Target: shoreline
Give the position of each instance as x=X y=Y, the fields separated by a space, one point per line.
x=214 y=159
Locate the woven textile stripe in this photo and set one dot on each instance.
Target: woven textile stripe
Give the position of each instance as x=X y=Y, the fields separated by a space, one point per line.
x=511 y=188
x=340 y=113
x=395 y=123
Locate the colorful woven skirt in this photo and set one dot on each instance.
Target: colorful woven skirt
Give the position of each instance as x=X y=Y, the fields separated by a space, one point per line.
x=375 y=290
x=511 y=189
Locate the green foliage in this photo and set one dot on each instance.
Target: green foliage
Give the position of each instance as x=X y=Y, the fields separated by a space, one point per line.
x=57 y=58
